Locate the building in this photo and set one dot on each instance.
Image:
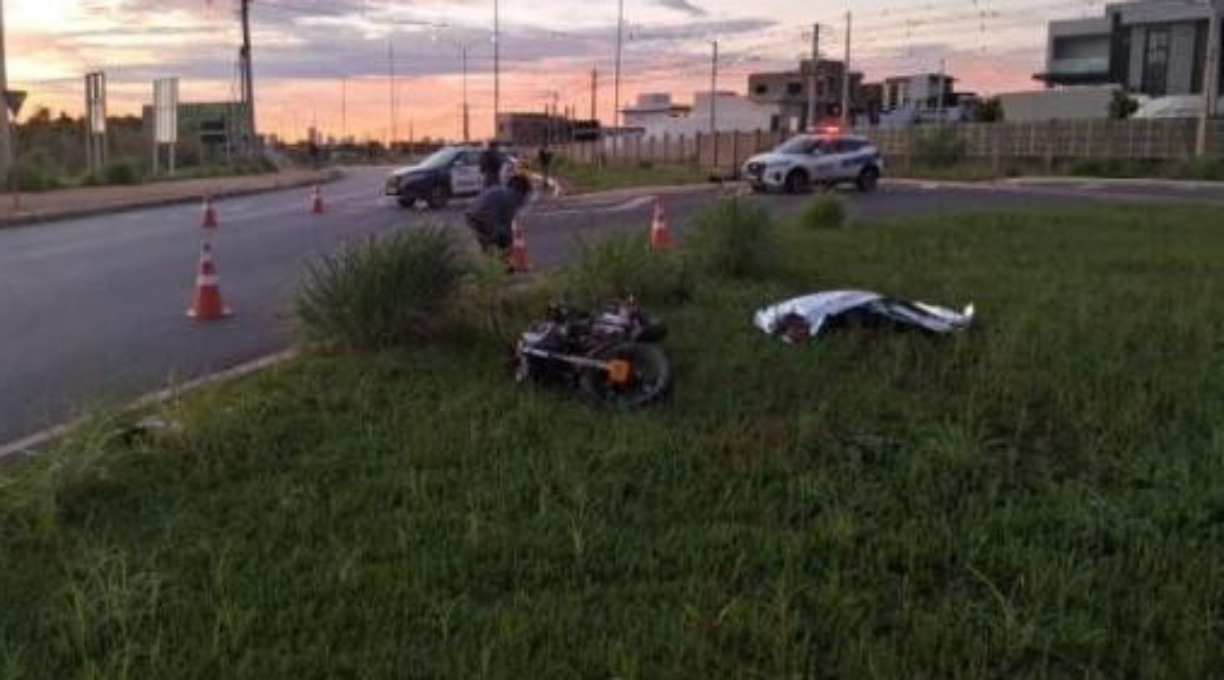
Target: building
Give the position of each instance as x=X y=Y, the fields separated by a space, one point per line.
x=652 y=109
x=1073 y=103
x=732 y=113
x=208 y=132
x=533 y=129
x=920 y=92
x=789 y=90
x=1156 y=48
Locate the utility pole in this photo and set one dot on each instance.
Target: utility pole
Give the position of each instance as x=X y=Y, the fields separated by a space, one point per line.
x=391 y=87
x=620 y=46
x=595 y=94
x=343 y=110
x=248 y=78
x=496 y=64
x=845 y=107
x=814 y=79
x=943 y=88
x=6 y=135
x=467 y=115
x=714 y=103
x=1211 y=80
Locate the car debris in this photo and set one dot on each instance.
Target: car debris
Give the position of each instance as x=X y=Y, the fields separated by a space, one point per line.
x=801 y=319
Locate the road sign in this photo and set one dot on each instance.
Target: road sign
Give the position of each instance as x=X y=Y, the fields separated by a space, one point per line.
x=14 y=99
x=165 y=109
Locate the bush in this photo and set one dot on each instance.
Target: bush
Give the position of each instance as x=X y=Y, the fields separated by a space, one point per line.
x=121 y=172
x=383 y=291
x=36 y=171
x=624 y=265
x=941 y=148
x=826 y=212
x=734 y=238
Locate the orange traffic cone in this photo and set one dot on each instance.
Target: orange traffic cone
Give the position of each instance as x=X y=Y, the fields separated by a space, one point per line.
x=209 y=220
x=317 y=206
x=518 y=249
x=660 y=235
x=206 y=304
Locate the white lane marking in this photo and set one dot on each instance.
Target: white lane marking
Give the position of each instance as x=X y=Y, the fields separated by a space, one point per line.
x=627 y=206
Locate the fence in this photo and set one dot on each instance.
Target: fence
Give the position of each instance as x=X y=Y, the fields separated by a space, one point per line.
x=1047 y=142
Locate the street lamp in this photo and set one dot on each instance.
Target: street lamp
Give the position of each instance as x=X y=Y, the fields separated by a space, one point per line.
x=464 y=48
x=6 y=135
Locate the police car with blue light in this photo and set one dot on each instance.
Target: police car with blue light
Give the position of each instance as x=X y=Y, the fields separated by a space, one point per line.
x=825 y=159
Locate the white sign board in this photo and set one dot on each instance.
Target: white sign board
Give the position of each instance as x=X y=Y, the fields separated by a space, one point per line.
x=165 y=110
x=95 y=102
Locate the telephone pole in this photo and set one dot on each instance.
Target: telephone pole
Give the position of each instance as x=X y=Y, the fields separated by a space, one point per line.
x=620 y=46
x=714 y=103
x=467 y=112
x=594 y=94
x=391 y=90
x=814 y=79
x=845 y=107
x=6 y=135
x=1211 y=79
x=496 y=64
x=248 y=78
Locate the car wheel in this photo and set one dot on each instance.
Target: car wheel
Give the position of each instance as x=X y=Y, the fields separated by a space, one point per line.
x=797 y=182
x=407 y=202
x=868 y=180
x=438 y=197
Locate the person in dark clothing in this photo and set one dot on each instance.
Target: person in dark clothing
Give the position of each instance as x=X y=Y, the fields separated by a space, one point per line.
x=491 y=219
x=545 y=159
x=491 y=165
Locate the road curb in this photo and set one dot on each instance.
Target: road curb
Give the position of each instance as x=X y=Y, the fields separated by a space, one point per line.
x=36 y=219
x=31 y=446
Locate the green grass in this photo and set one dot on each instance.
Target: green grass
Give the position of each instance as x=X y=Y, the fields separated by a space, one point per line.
x=587 y=178
x=1040 y=497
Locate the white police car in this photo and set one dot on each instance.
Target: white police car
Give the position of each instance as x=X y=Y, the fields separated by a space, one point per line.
x=816 y=160
x=454 y=171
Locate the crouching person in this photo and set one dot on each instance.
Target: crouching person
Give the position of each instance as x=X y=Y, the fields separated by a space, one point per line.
x=491 y=219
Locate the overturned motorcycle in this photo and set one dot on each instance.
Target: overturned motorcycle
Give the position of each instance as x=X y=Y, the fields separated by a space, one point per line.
x=613 y=356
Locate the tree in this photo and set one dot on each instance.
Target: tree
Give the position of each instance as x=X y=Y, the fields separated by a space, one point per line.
x=991 y=111
x=1122 y=106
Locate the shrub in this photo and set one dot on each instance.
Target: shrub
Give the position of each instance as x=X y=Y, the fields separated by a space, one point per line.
x=734 y=238
x=625 y=265
x=941 y=148
x=36 y=171
x=383 y=291
x=826 y=212
x=121 y=172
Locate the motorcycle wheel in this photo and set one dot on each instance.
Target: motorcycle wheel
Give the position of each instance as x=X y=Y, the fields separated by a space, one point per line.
x=650 y=378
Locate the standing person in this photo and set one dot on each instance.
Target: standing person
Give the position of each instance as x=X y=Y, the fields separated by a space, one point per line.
x=491 y=219
x=491 y=165
x=545 y=159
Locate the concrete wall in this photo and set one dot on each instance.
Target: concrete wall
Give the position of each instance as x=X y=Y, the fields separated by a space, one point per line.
x=1080 y=103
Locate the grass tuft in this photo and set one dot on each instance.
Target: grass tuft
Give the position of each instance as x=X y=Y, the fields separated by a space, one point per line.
x=383 y=292
x=733 y=238
x=827 y=211
x=624 y=265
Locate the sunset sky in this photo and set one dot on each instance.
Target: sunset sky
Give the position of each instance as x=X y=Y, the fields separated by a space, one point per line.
x=306 y=49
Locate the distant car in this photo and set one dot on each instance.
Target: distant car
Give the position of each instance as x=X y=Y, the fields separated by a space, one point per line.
x=816 y=160
x=451 y=172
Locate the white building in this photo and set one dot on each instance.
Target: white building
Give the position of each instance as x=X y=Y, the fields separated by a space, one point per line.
x=656 y=115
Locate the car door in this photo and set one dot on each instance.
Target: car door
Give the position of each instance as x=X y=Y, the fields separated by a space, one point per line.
x=465 y=174
x=823 y=166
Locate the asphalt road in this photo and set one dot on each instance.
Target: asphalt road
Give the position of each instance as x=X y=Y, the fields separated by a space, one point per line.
x=92 y=310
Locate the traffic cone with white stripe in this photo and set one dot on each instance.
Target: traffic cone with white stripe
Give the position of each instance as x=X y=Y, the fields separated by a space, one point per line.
x=209 y=216
x=317 y=207
x=206 y=304
x=660 y=235
x=518 y=249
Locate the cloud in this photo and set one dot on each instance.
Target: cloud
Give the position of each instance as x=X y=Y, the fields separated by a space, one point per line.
x=683 y=6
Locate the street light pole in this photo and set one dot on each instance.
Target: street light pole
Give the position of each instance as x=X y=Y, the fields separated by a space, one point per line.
x=620 y=45
x=1211 y=79
x=814 y=80
x=248 y=78
x=467 y=118
x=6 y=135
x=496 y=64
x=845 y=107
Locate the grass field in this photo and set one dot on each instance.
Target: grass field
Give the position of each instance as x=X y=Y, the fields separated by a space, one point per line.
x=1042 y=497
